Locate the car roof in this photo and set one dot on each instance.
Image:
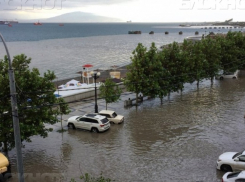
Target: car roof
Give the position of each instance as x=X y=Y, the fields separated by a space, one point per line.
x=106 y=112
x=94 y=115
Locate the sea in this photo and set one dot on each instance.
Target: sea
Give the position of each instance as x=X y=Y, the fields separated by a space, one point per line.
x=65 y=49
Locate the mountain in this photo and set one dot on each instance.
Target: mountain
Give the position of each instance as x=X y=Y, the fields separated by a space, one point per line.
x=79 y=17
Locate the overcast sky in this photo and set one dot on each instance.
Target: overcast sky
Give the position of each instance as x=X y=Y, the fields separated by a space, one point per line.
x=135 y=10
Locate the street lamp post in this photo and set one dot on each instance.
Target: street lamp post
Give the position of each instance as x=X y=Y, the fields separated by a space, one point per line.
x=16 y=124
x=95 y=75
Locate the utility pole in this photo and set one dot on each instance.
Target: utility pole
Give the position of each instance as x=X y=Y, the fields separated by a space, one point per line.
x=16 y=124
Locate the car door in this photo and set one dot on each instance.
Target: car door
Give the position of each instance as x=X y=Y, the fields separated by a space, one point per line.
x=80 y=123
x=241 y=163
x=88 y=123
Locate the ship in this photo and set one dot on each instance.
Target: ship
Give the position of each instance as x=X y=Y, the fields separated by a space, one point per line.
x=37 y=23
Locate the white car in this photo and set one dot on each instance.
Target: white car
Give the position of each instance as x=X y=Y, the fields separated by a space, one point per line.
x=112 y=116
x=231 y=161
x=92 y=122
x=223 y=75
x=234 y=177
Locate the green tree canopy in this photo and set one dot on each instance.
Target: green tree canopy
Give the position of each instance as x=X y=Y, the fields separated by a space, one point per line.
x=110 y=91
x=136 y=79
x=35 y=97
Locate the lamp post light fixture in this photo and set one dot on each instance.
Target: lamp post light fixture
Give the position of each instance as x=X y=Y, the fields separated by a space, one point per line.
x=95 y=75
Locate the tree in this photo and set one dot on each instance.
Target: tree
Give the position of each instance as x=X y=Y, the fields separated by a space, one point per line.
x=110 y=91
x=176 y=67
x=196 y=62
x=211 y=50
x=229 y=52
x=135 y=78
x=152 y=71
x=62 y=109
x=35 y=97
x=163 y=81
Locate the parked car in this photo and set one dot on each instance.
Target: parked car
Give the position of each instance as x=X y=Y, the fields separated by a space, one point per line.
x=112 y=116
x=223 y=75
x=234 y=177
x=4 y=166
x=92 y=122
x=231 y=161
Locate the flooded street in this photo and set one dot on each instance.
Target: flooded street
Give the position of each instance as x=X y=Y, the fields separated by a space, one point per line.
x=179 y=140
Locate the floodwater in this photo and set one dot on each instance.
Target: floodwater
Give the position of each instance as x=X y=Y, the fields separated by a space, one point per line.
x=179 y=140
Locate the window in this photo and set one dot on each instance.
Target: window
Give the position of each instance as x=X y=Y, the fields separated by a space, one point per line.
x=233 y=175
x=105 y=120
x=240 y=180
x=82 y=119
x=237 y=154
x=242 y=158
x=89 y=120
x=114 y=115
x=71 y=84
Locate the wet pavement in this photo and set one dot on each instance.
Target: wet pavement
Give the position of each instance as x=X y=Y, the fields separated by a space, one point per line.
x=179 y=140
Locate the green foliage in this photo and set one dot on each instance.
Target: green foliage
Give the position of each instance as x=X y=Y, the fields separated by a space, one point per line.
x=152 y=72
x=110 y=91
x=89 y=178
x=136 y=79
x=212 y=53
x=177 y=68
x=229 y=52
x=35 y=98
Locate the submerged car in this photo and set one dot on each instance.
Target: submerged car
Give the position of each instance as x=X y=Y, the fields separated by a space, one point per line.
x=223 y=75
x=112 y=116
x=231 y=161
x=92 y=122
x=234 y=177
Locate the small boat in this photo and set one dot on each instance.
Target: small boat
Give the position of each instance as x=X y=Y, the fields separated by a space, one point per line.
x=37 y=23
x=9 y=25
x=134 y=32
x=61 y=24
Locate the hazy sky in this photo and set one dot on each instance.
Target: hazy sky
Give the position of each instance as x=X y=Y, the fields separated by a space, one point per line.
x=135 y=10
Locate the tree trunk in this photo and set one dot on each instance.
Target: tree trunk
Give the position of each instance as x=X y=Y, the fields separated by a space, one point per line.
x=61 y=122
x=212 y=80
x=197 y=83
x=169 y=96
x=137 y=99
x=105 y=105
x=161 y=100
x=5 y=146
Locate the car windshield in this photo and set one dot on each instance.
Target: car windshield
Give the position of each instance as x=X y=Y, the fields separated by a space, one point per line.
x=237 y=154
x=233 y=175
x=105 y=120
x=114 y=115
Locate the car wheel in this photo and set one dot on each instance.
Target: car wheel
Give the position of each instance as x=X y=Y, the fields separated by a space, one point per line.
x=112 y=122
x=221 y=78
x=71 y=125
x=94 y=130
x=226 y=168
x=234 y=77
